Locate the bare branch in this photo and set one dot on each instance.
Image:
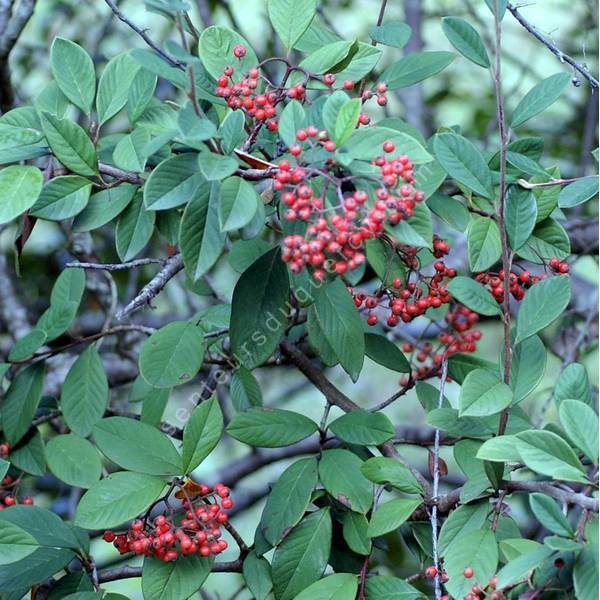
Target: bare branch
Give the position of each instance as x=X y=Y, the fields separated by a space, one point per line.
x=580 y=68
x=172 y=266
x=120 y=174
x=119 y=13
x=133 y=264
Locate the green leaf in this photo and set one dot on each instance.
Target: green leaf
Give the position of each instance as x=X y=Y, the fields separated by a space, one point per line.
x=484 y=243
x=141 y=92
x=415 y=67
x=334 y=320
x=547 y=453
x=270 y=427
x=215 y=167
x=244 y=390
x=172 y=355
x=390 y=588
x=30 y=457
x=527 y=367
x=13 y=137
x=390 y=515
x=540 y=97
x=201 y=433
x=543 y=303
x=339 y=586
x=381 y=469
x=463 y=162
x=366 y=142
x=68 y=287
x=257 y=575
x=476 y=549
x=579 y=422
x=288 y=500
x=585 y=574
x=500 y=449
x=355 y=533
x=216 y=51
x=200 y=238
x=62 y=198
x=20 y=185
x=174 y=580
x=497 y=7
x=137 y=446
x=56 y=319
x=461 y=521
x=464 y=37
x=74 y=460
x=173 y=182
x=259 y=309
x=579 y=192
x=84 y=394
x=482 y=394
x=27 y=345
x=114 y=85
x=393 y=33
x=134 y=229
x=70 y=144
x=519 y=568
x=363 y=428
x=573 y=383
x=340 y=474
x=548 y=513
x=238 y=203
x=327 y=57
x=418 y=230
x=474 y=295
x=385 y=262
x=117 y=498
x=232 y=130
x=385 y=353
x=21 y=402
x=347 y=119
x=450 y=209
x=73 y=70
x=291 y=18
x=130 y=153
x=15 y=543
x=104 y=207
x=302 y=557
x=548 y=239
x=520 y=215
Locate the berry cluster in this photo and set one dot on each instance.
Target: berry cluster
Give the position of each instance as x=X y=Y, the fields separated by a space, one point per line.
x=456 y=339
x=334 y=241
x=476 y=592
x=7 y=495
x=199 y=532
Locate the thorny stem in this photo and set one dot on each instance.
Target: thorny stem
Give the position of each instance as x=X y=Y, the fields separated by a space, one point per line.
x=506 y=255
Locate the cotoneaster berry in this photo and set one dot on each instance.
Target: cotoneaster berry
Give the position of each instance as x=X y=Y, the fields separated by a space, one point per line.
x=199 y=532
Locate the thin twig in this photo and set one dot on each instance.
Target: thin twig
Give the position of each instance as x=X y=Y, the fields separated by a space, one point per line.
x=436 y=481
x=580 y=68
x=171 y=267
x=142 y=33
x=132 y=264
x=506 y=255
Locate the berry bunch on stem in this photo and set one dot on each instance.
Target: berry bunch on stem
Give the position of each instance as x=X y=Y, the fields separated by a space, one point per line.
x=199 y=532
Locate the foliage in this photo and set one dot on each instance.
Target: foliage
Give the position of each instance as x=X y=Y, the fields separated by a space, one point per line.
x=350 y=241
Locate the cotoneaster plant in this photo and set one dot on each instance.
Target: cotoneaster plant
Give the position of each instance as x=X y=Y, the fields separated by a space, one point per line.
x=306 y=226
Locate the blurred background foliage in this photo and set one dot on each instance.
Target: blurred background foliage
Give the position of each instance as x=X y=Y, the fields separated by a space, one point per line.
x=461 y=95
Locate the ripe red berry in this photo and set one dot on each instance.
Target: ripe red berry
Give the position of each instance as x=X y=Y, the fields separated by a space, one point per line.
x=364 y=119
x=388 y=146
x=431 y=572
x=329 y=146
x=109 y=536
x=468 y=573
x=329 y=79
x=239 y=51
x=349 y=84
x=27 y=501
x=10 y=501
x=372 y=320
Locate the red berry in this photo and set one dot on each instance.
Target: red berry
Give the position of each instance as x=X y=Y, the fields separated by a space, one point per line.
x=468 y=573
x=329 y=146
x=10 y=501
x=349 y=84
x=109 y=536
x=431 y=572
x=329 y=79
x=239 y=51
x=27 y=501
x=388 y=146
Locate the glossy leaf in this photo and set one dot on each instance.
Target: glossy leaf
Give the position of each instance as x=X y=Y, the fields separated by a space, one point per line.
x=201 y=433
x=520 y=215
x=415 y=67
x=484 y=243
x=363 y=428
x=474 y=295
x=390 y=515
x=62 y=198
x=238 y=203
x=579 y=422
x=21 y=186
x=291 y=18
x=464 y=37
x=483 y=394
x=74 y=460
